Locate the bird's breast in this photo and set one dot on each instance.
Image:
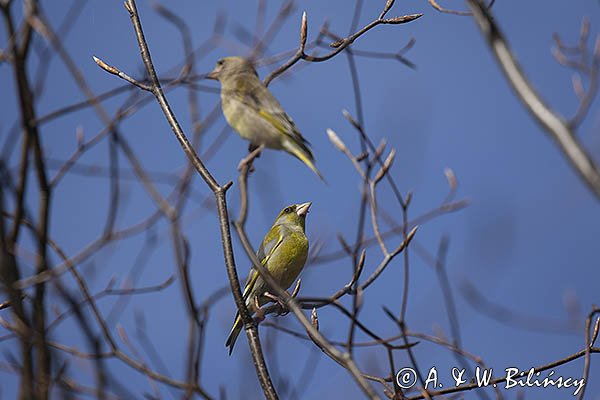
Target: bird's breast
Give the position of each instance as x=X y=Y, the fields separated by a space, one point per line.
x=287 y=266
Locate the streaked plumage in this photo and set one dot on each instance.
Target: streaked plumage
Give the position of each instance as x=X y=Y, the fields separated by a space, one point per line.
x=283 y=253
x=251 y=109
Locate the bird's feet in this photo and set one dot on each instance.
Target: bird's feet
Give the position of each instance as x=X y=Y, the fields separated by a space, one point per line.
x=259 y=313
x=246 y=162
x=283 y=308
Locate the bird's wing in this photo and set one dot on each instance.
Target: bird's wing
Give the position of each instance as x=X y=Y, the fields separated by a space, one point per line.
x=285 y=125
x=261 y=100
x=270 y=243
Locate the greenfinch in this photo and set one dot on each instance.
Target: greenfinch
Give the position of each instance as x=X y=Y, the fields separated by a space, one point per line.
x=251 y=110
x=283 y=253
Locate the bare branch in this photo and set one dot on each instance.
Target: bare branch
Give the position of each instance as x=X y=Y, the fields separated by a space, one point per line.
x=219 y=192
x=556 y=127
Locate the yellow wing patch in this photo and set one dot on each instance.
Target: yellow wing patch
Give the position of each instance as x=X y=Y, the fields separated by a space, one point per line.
x=273 y=121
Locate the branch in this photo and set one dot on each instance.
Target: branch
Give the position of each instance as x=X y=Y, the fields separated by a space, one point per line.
x=338 y=45
x=556 y=127
x=40 y=384
x=220 y=197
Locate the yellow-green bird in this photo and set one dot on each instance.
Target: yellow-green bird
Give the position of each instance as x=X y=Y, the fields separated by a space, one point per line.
x=252 y=110
x=283 y=253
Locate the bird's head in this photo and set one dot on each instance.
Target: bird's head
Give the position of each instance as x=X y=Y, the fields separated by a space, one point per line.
x=231 y=66
x=293 y=215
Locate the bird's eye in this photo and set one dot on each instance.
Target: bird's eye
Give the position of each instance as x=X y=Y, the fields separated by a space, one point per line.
x=288 y=210
x=220 y=62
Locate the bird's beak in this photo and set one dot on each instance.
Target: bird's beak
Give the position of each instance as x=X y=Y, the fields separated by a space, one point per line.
x=212 y=75
x=302 y=209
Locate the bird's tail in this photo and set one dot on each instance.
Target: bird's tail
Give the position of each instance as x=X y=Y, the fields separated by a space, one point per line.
x=303 y=156
x=235 y=332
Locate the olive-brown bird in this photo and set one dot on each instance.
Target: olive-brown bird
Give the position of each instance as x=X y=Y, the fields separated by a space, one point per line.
x=252 y=110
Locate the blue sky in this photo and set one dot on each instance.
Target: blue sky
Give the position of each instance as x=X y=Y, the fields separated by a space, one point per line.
x=527 y=241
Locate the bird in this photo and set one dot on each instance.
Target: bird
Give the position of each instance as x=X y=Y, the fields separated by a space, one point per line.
x=283 y=253
x=252 y=110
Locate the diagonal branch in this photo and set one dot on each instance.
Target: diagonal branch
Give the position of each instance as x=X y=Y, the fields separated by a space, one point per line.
x=556 y=127
x=220 y=197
